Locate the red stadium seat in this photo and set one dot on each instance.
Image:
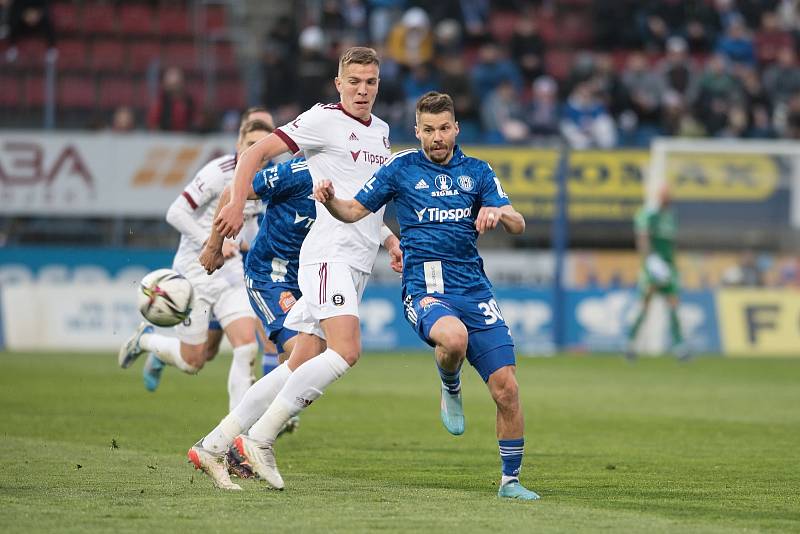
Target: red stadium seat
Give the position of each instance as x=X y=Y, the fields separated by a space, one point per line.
x=31 y=52
x=76 y=92
x=10 y=91
x=183 y=55
x=558 y=63
x=174 y=21
x=108 y=55
x=230 y=95
x=136 y=19
x=34 y=91
x=142 y=54
x=65 y=17
x=214 y=20
x=72 y=54
x=115 y=92
x=501 y=25
x=225 y=56
x=98 y=17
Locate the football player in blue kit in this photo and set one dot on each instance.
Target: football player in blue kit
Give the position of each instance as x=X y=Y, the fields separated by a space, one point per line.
x=444 y=199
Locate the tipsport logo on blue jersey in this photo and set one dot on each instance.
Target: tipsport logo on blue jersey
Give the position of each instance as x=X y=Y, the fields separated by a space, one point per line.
x=440 y=215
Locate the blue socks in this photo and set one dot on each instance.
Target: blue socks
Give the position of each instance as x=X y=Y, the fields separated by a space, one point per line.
x=451 y=381
x=511 y=451
x=269 y=362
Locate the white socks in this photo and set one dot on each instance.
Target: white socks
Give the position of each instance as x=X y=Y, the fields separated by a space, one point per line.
x=252 y=406
x=168 y=350
x=240 y=375
x=304 y=386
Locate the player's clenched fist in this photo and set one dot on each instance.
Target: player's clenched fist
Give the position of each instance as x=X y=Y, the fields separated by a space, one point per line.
x=323 y=191
x=211 y=259
x=230 y=220
x=487 y=219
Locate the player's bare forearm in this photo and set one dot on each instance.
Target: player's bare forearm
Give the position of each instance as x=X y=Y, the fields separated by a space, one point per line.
x=249 y=163
x=344 y=210
x=230 y=219
x=348 y=211
x=512 y=220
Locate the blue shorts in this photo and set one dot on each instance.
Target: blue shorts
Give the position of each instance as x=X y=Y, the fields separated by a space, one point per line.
x=489 y=345
x=272 y=302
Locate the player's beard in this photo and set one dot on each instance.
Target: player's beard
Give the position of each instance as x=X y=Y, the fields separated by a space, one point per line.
x=441 y=155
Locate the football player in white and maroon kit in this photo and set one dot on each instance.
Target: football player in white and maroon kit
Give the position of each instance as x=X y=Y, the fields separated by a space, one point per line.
x=345 y=143
x=224 y=293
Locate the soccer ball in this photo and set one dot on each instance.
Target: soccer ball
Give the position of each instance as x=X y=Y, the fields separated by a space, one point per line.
x=165 y=297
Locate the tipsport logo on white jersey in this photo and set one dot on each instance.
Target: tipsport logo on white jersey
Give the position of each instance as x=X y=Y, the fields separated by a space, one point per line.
x=440 y=215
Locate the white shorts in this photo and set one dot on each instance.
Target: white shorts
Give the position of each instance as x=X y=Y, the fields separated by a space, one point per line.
x=223 y=294
x=329 y=290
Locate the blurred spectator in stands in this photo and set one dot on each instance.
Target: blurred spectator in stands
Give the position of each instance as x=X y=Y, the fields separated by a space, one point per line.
x=737 y=43
x=676 y=69
x=747 y=273
x=702 y=26
x=174 y=108
x=787 y=122
x=476 y=15
x=543 y=110
x=645 y=90
x=354 y=13
x=752 y=11
x=782 y=78
x=615 y=25
x=736 y=126
x=503 y=116
x=714 y=92
x=454 y=80
x=28 y=18
x=490 y=69
x=770 y=38
x=676 y=118
x=661 y=18
x=420 y=80
x=585 y=121
x=314 y=69
x=756 y=104
x=410 y=42
x=383 y=14
x=608 y=85
x=527 y=48
x=789 y=15
x=447 y=38
x=581 y=70
x=123 y=120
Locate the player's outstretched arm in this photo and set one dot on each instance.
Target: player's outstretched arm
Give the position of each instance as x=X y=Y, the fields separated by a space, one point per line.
x=212 y=256
x=231 y=217
x=513 y=222
x=345 y=210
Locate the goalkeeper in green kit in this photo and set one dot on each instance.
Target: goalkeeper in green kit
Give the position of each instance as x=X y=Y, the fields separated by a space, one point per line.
x=655 y=240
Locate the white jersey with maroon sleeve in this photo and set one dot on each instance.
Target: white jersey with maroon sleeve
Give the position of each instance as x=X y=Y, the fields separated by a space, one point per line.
x=346 y=150
x=202 y=194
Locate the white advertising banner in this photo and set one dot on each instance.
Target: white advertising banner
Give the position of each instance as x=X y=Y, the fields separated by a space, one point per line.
x=68 y=316
x=99 y=174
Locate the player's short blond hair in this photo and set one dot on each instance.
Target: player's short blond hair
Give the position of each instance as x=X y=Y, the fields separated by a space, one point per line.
x=359 y=55
x=435 y=103
x=255 y=126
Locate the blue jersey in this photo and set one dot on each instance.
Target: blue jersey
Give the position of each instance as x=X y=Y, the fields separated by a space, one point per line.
x=436 y=207
x=286 y=190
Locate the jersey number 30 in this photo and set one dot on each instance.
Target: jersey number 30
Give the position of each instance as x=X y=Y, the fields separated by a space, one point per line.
x=491 y=310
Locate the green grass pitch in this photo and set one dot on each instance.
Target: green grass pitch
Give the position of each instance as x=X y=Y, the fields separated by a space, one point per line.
x=657 y=446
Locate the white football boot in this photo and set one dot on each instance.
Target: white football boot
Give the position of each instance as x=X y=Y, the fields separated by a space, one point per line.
x=261 y=458
x=213 y=465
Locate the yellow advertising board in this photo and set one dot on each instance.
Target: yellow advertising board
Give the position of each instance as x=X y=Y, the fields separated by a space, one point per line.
x=607 y=185
x=759 y=322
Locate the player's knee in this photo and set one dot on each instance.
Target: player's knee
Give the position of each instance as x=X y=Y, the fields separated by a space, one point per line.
x=454 y=341
x=194 y=355
x=350 y=355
